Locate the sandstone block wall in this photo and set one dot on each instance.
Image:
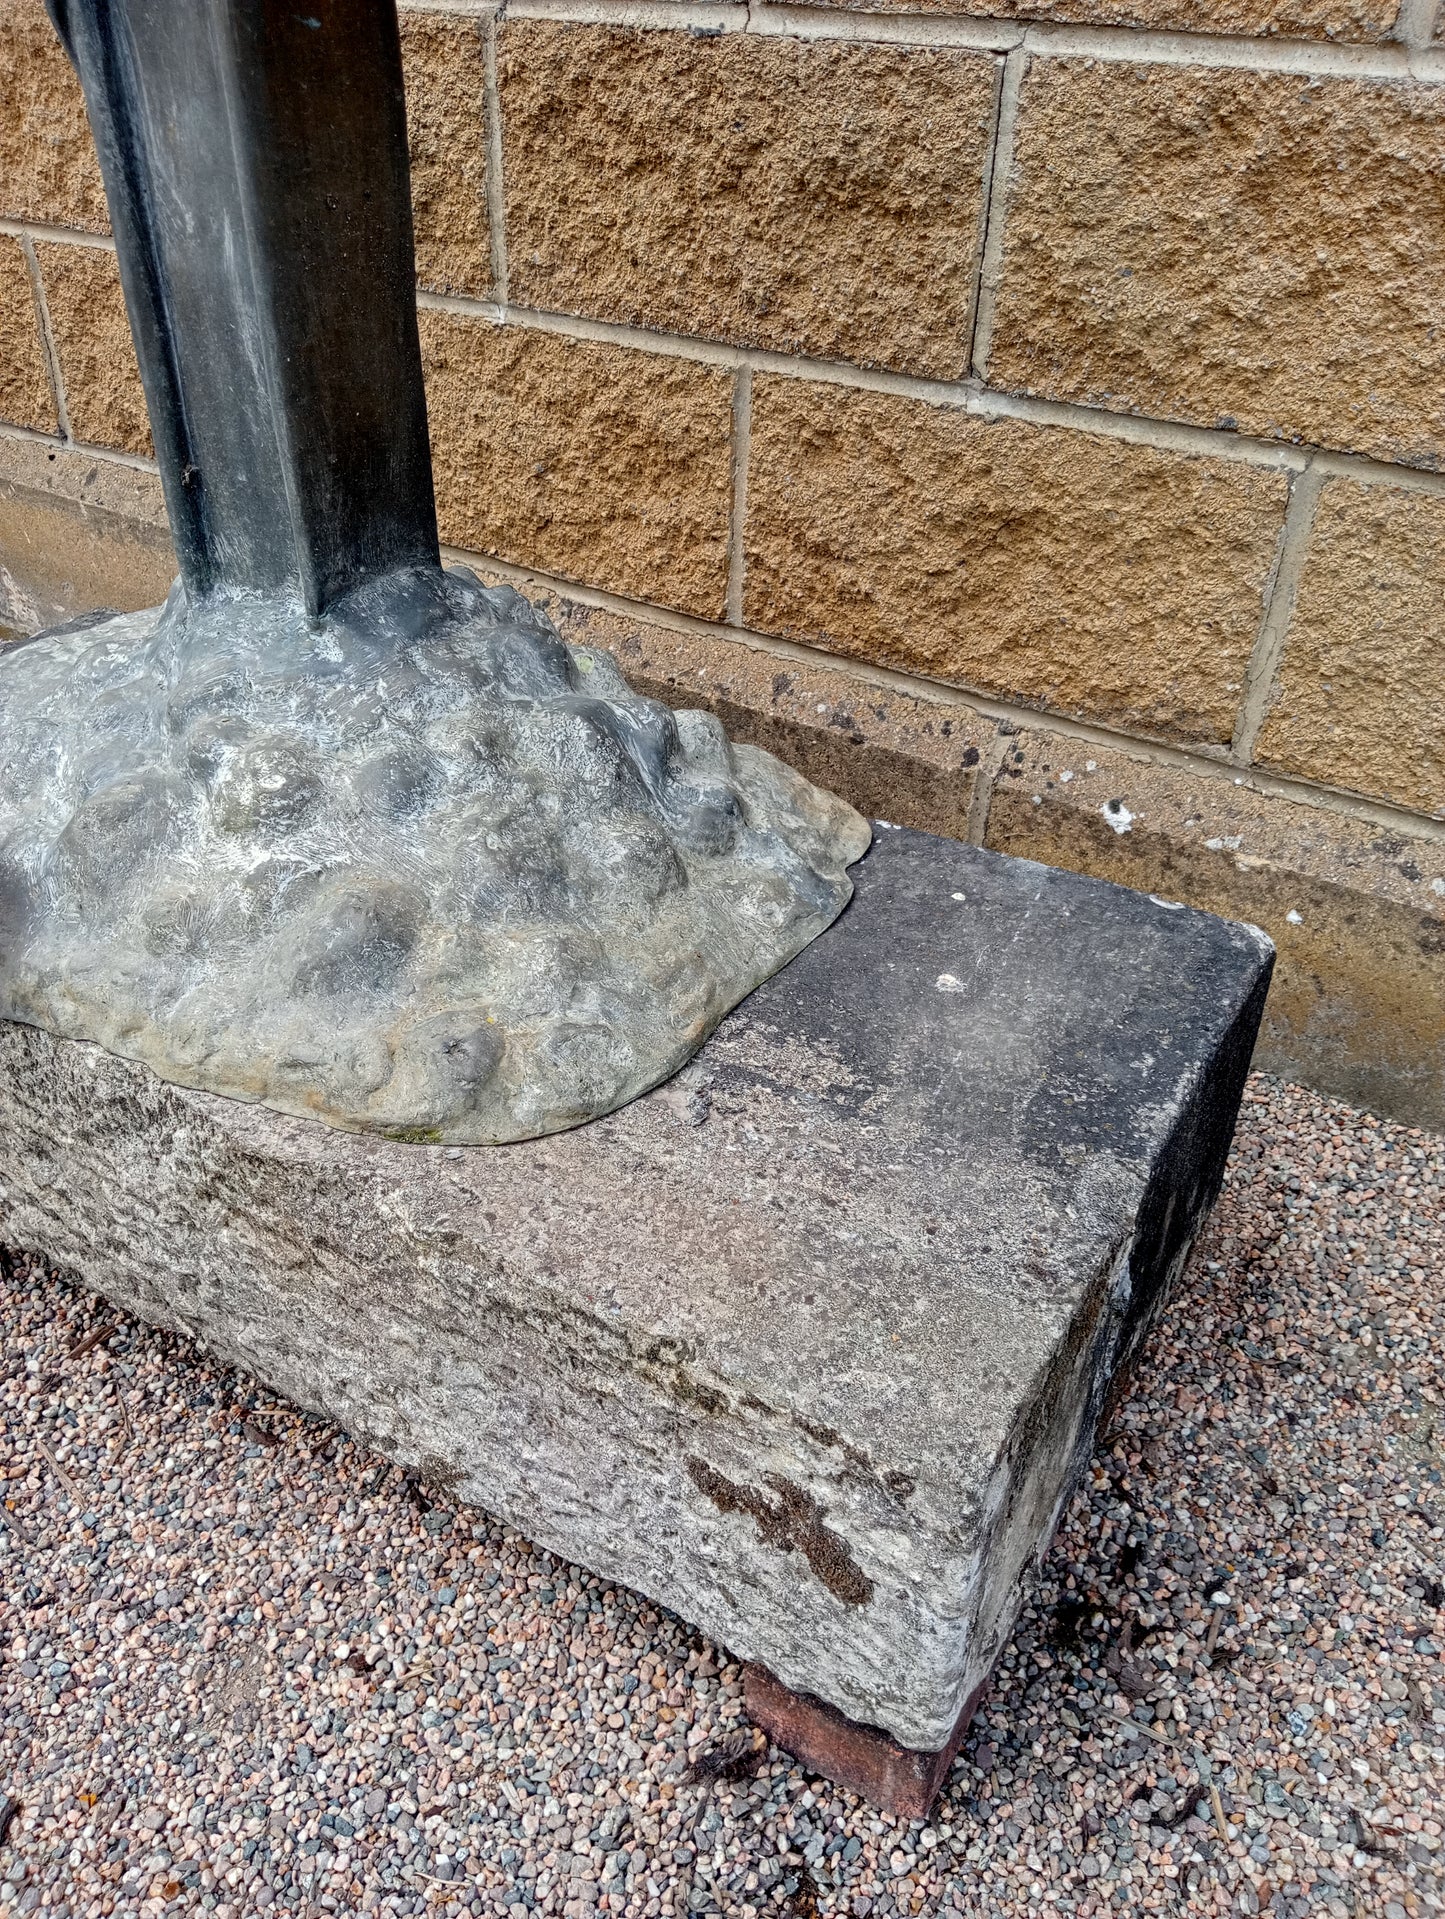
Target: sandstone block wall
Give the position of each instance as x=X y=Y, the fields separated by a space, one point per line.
x=1061 y=384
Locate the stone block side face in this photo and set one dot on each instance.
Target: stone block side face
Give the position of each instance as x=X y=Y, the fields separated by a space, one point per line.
x=25 y=395
x=1305 y=19
x=48 y=575
x=1096 y=577
x=1360 y=698
x=805 y=196
x=596 y=462
x=48 y=168
x=98 y=368
x=1263 y=251
x=446 y=124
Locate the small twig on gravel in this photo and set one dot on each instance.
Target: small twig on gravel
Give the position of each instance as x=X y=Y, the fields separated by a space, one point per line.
x=1211 y=1638
x=1216 y=1806
x=60 y=1473
x=1159 y=1738
x=92 y=1340
x=277 y=1411
x=126 y=1428
x=9 y=1520
x=1366 y=1842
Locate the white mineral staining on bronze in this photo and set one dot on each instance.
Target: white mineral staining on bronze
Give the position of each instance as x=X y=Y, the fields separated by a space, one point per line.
x=437 y=876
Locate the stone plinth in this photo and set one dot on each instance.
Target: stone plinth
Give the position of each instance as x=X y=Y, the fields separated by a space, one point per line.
x=809 y=1344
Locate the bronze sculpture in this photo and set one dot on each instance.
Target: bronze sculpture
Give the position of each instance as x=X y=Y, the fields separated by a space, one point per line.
x=335 y=828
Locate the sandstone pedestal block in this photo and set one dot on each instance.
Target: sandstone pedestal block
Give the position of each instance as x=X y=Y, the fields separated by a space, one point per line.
x=809 y=1344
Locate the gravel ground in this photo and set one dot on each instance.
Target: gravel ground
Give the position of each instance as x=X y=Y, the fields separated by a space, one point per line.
x=246 y=1668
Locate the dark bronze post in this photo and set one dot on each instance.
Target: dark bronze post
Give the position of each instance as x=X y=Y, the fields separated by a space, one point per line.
x=255 y=163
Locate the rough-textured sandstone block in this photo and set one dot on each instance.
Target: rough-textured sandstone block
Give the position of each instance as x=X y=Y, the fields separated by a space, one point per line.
x=446 y=129
x=809 y=1345
x=48 y=168
x=93 y=345
x=604 y=464
x=1055 y=567
x=1360 y=700
x=25 y=396
x=49 y=172
x=1357 y=913
x=912 y=761
x=1254 y=250
x=809 y=197
x=1332 y=19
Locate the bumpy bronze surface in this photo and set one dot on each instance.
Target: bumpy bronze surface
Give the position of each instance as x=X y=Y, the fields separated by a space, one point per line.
x=416 y=868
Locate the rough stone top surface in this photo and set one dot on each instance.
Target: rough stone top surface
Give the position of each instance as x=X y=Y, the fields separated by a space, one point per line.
x=891 y=1172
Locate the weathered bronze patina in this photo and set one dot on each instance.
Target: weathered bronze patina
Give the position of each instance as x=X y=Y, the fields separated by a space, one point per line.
x=337 y=829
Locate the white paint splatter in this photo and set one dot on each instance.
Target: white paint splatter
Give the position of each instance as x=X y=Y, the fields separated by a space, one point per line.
x=1118 y=816
x=946 y=983
x=1294 y=918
